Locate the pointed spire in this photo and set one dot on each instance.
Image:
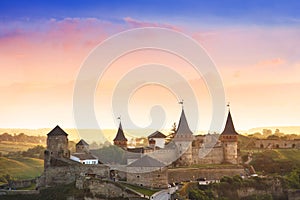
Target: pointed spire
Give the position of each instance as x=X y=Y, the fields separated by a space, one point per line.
x=229 y=127
x=183 y=126
x=120 y=134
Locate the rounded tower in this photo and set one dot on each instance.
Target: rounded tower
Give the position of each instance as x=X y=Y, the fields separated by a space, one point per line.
x=229 y=139
x=183 y=140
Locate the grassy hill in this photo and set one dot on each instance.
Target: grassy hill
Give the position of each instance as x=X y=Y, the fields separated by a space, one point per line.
x=280 y=161
x=21 y=167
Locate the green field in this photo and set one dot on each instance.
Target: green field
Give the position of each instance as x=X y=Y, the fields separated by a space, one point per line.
x=21 y=167
x=280 y=161
x=6 y=147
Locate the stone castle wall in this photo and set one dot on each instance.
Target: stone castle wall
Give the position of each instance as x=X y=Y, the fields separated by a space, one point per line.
x=282 y=144
x=187 y=174
x=104 y=189
x=67 y=174
x=213 y=155
x=155 y=179
x=186 y=158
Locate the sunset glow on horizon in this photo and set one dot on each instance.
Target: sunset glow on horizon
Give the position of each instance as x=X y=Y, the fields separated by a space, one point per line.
x=255 y=48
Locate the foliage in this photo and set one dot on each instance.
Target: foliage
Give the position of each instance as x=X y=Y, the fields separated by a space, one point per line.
x=293 y=179
x=172 y=133
x=198 y=195
x=258 y=197
x=6 y=178
x=35 y=152
x=21 y=137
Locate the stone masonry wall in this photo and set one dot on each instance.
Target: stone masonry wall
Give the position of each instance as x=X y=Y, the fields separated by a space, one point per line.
x=214 y=155
x=155 y=179
x=68 y=174
x=187 y=174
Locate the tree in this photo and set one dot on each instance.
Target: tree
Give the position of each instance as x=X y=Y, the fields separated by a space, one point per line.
x=273 y=137
x=294 y=179
x=35 y=152
x=94 y=145
x=255 y=135
x=278 y=133
x=172 y=133
x=267 y=132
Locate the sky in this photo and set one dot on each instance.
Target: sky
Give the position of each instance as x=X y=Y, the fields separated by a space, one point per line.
x=254 y=45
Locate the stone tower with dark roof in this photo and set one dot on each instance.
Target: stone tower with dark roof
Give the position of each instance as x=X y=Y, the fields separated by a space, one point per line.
x=183 y=140
x=229 y=139
x=82 y=147
x=57 y=145
x=120 y=139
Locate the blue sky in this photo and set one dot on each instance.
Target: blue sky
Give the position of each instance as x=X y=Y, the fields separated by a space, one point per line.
x=229 y=11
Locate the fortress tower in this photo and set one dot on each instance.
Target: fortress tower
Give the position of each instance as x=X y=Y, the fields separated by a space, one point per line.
x=82 y=147
x=229 y=139
x=120 y=139
x=57 y=145
x=183 y=140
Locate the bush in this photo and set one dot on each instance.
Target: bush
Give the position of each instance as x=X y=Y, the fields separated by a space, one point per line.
x=258 y=197
x=294 y=179
x=198 y=195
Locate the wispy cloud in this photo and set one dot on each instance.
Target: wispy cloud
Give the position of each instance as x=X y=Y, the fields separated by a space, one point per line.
x=134 y=23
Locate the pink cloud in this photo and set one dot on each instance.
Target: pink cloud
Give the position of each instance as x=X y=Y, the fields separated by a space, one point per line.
x=270 y=62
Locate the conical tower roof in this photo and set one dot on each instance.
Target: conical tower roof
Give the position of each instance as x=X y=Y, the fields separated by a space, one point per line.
x=229 y=127
x=183 y=126
x=120 y=134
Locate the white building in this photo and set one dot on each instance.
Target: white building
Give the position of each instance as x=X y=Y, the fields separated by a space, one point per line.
x=83 y=154
x=84 y=158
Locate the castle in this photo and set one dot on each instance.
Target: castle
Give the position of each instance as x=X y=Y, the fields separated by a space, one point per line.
x=146 y=166
x=187 y=147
